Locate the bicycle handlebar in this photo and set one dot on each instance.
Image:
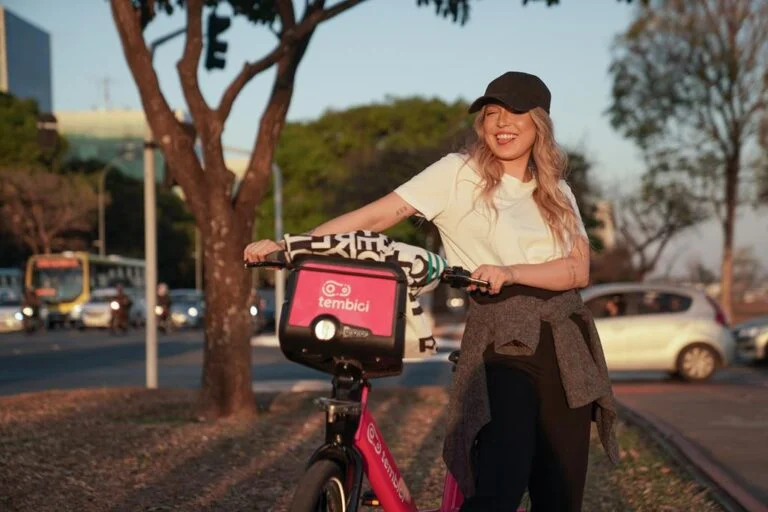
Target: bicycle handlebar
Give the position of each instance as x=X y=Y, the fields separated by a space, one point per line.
x=274 y=260
x=456 y=277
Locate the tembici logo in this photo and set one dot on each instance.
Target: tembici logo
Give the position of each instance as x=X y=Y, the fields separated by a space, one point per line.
x=332 y=290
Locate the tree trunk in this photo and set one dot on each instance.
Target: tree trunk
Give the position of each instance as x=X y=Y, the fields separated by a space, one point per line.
x=226 y=379
x=726 y=269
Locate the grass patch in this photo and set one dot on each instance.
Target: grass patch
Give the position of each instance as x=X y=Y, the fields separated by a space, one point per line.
x=130 y=449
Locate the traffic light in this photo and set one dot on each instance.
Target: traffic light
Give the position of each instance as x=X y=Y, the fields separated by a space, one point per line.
x=215 y=49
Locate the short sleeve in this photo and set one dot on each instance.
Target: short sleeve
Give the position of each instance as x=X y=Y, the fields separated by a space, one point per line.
x=430 y=191
x=569 y=194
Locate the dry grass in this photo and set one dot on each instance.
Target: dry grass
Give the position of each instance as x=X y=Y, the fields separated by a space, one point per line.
x=138 y=450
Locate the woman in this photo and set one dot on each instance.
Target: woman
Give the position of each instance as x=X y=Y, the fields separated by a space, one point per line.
x=531 y=376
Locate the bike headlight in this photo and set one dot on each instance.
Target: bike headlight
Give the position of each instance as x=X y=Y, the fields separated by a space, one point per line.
x=193 y=312
x=27 y=311
x=158 y=310
x=114 y=305
x=325 y=329
x=254 y=311
x=18 y=316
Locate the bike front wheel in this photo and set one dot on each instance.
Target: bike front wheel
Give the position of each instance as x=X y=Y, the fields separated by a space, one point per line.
x=321 y=489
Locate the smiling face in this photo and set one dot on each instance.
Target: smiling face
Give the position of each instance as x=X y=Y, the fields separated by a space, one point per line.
x=509 y=135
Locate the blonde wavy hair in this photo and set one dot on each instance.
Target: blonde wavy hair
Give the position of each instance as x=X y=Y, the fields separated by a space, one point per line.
x=548 y=165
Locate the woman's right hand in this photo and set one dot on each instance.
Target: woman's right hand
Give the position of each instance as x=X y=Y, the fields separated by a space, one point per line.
x=258 y=251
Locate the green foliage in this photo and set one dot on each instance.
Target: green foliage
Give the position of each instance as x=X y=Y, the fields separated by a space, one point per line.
x=124 y=227
x=20 y=143
x=319 y=158
x=346 y=159
x=586 y=192
x=18 y=132
x=457 y=10
x=264 y=12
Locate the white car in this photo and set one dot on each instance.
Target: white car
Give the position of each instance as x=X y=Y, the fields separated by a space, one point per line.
x=97 y=312
x=11 y=316
x=752 y=339
x=660 y=328
x=12 y=311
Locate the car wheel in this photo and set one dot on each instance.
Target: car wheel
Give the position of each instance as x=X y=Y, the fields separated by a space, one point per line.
x=697 y=363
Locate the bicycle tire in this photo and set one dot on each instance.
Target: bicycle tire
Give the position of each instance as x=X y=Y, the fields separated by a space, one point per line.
x=321 y=489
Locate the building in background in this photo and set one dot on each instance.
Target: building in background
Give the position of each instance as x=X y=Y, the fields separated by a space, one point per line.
x=117 y=137
x=110 y=136
x=20 y=75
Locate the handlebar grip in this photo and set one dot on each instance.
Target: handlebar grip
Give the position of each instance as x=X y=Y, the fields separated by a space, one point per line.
x=459 y=277
x=275 y=259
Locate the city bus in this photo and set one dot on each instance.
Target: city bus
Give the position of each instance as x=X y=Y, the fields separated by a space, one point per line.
x=64 y=281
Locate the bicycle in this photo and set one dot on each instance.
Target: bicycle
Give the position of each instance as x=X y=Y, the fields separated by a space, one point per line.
x=346 y=318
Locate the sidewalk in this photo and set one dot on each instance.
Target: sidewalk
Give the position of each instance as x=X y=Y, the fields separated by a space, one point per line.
x=720 y=429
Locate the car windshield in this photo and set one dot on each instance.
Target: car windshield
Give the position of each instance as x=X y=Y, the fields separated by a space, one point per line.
x=100 y=299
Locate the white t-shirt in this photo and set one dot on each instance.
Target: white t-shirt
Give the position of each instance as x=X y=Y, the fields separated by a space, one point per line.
x=447 y=193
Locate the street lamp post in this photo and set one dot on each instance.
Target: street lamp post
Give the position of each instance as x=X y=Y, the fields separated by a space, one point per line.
x=150 y=259
x=127 y=154
x=277 y=188
x=150 y=238
x=277 y=176
x=102 y=220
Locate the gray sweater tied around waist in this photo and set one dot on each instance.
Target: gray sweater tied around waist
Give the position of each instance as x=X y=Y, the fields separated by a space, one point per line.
x=513 y=325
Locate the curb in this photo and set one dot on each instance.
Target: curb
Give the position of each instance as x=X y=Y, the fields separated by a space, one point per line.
x=724 y=489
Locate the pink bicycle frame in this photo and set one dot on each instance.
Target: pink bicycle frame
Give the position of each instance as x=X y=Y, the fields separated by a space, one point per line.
x=382 y=472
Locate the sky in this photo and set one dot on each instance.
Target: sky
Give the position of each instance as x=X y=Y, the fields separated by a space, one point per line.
x=385 y=48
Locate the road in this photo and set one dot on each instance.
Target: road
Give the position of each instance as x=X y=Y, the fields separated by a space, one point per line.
x=71 y=359
x=66 y=359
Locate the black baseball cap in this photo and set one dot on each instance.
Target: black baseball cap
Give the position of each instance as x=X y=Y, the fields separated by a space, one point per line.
x=517 y=91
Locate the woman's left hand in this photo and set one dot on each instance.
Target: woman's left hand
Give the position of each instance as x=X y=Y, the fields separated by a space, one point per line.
x=496 y=275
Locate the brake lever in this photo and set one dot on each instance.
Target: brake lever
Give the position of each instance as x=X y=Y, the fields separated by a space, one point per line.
x=458 y=277
x=277 y=260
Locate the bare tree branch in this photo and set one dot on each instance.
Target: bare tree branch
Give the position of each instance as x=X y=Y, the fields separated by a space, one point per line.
x=273 y=118
x=190 y=62
x=40 y=207
x=339 y=8
x=250 y=70
x=290 y=34
x=177 y=145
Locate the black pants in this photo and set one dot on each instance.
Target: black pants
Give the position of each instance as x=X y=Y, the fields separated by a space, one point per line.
x=534 y=439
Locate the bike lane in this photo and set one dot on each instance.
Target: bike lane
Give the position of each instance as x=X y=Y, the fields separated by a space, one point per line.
x=719 y=428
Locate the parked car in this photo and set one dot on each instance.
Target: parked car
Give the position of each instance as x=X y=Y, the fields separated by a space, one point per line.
x=752 y=339
x=97 y=311
x=662 y=328
x=187 y=307
x=262 y=309
x=12 y=311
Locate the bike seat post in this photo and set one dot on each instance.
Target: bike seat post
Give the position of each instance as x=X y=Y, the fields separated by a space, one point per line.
x=348 y=381
x=343 y=409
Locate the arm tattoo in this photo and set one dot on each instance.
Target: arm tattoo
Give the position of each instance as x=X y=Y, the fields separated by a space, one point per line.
x=400 y=212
